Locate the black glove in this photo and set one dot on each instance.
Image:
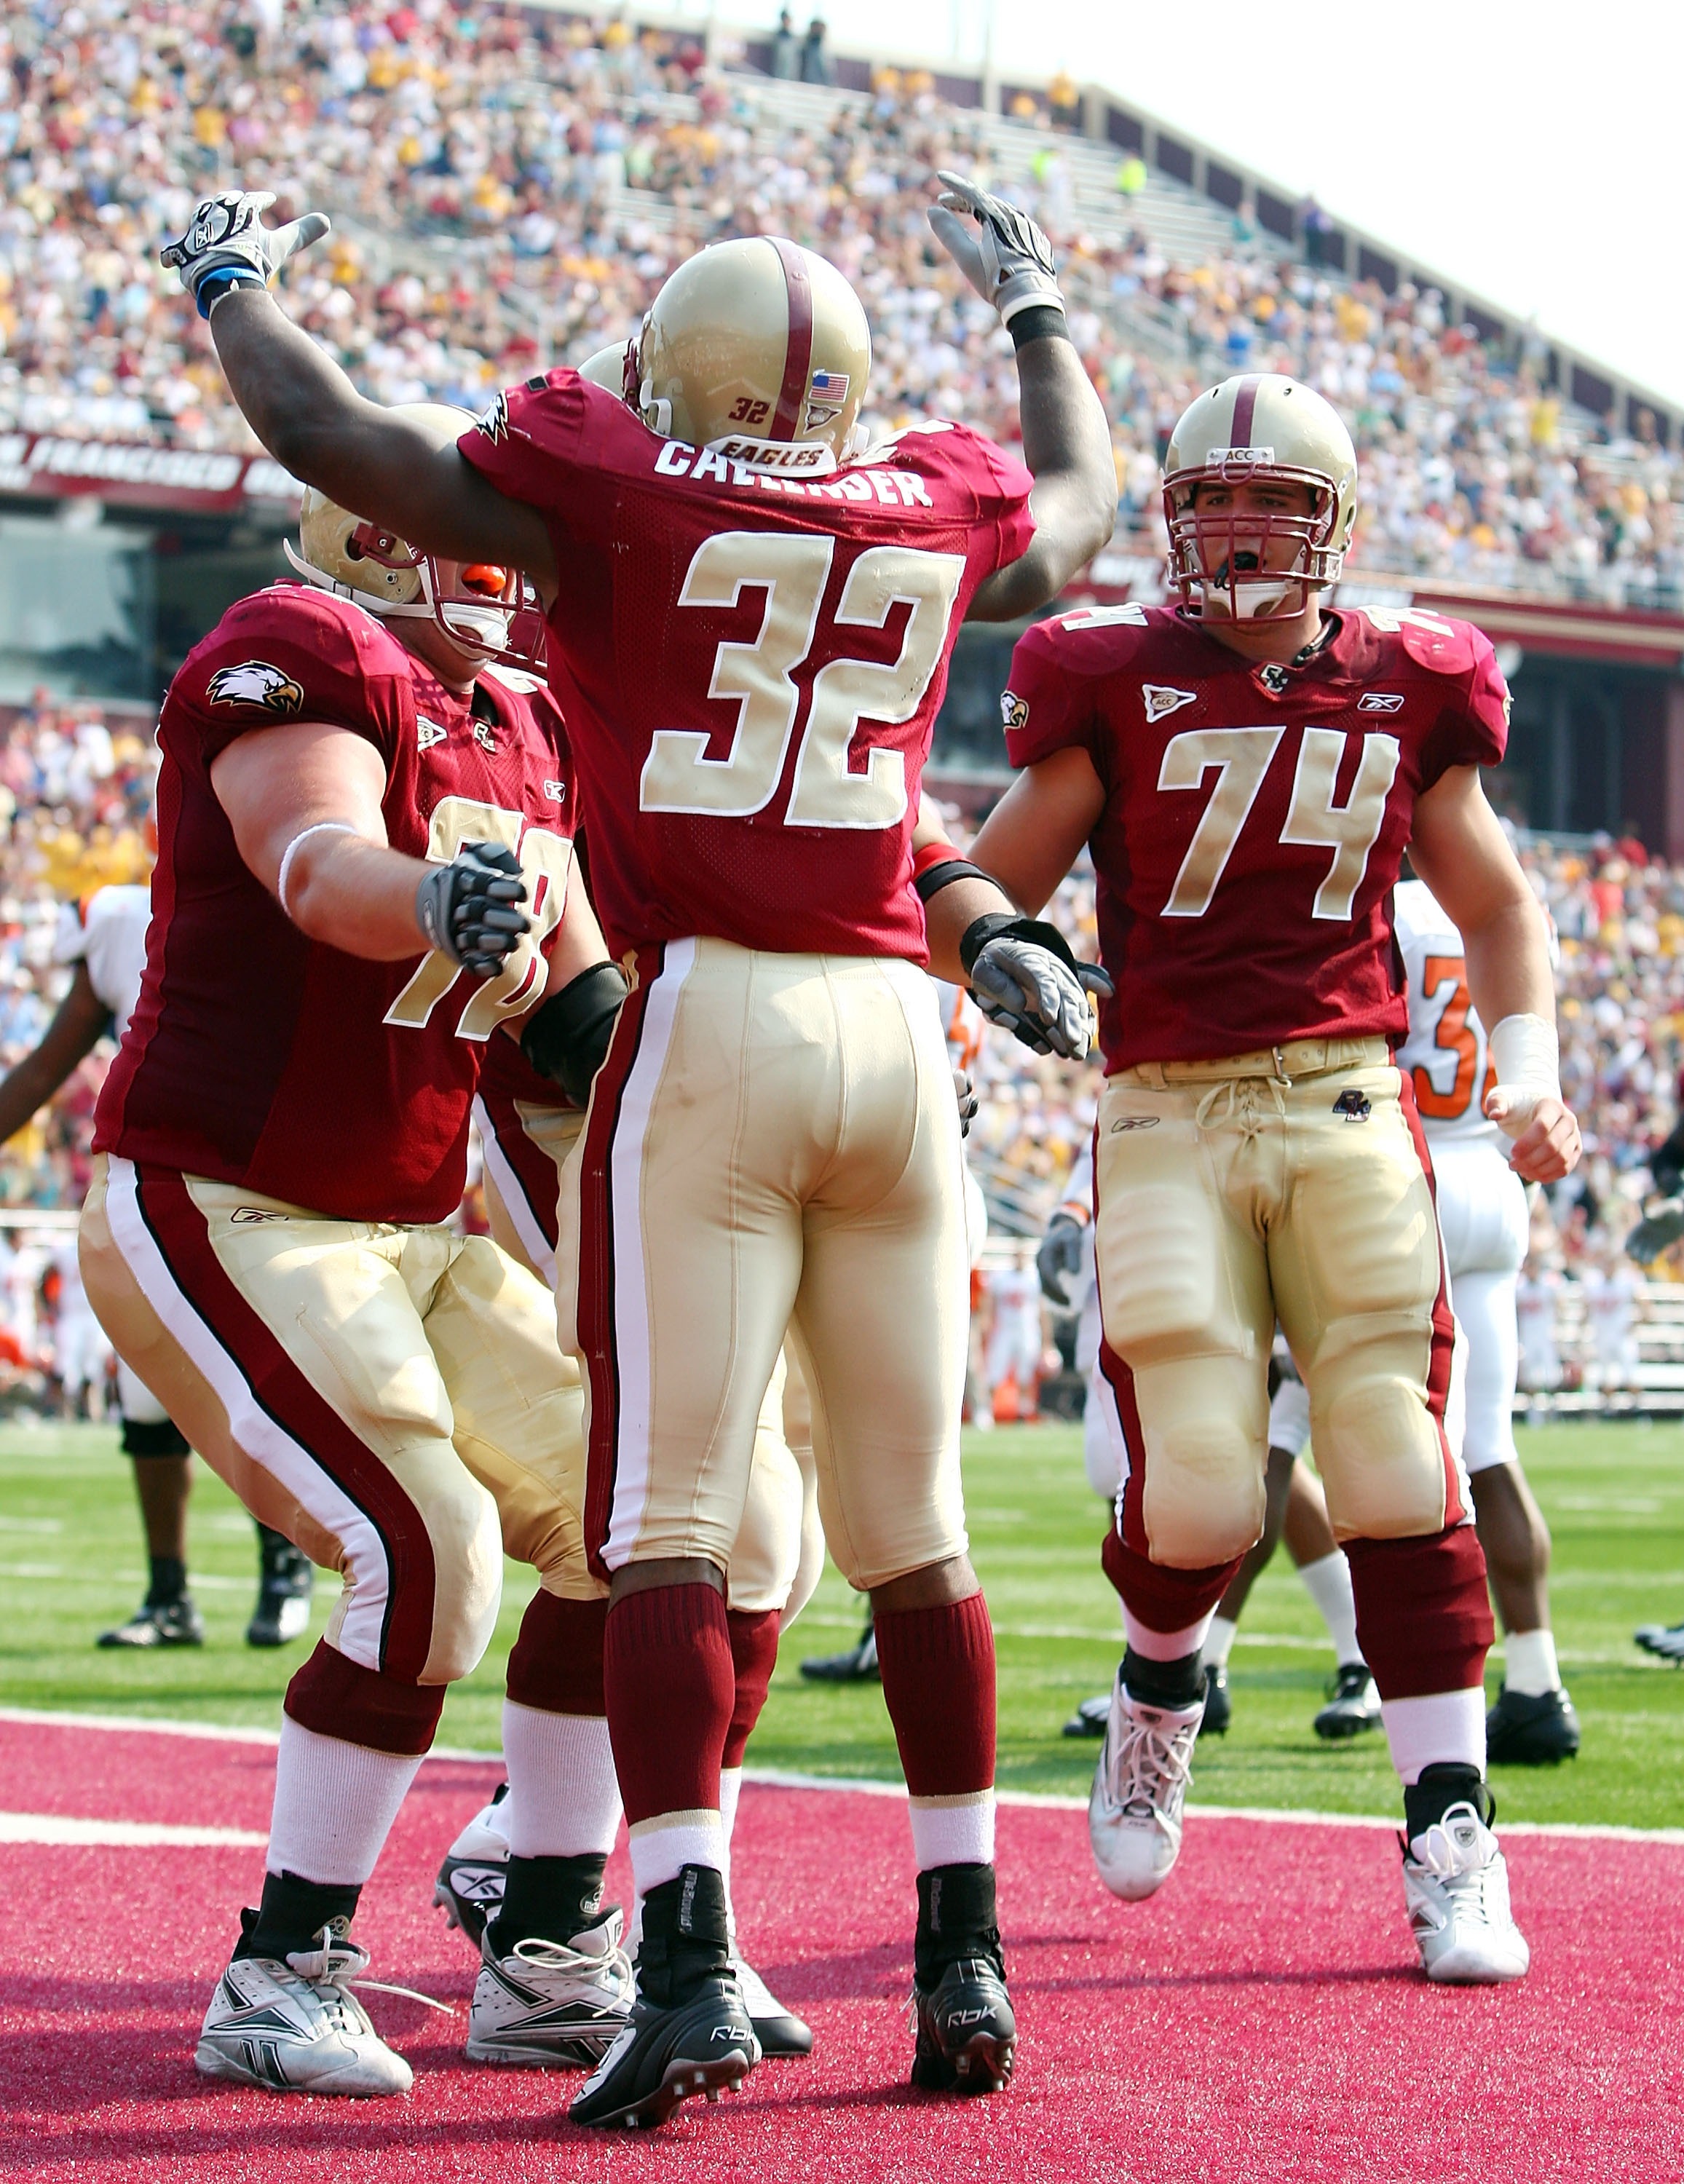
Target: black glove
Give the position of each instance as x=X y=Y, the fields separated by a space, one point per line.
x=1059 y=1260
x=1023 y=975
x=470 y=909
x=565 y=1038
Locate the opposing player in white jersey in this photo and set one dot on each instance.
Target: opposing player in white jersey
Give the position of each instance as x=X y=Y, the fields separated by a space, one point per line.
x=104 y=936
x=1537 y=1309
x=1613 y=1291
x=1483 y=1214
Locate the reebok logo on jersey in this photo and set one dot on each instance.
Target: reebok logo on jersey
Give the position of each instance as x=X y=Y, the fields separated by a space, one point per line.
x=495 y=424
x=1161 y=699
x=255 y=682
x=1352 y=1105
x=427 y=732
x=1014 y=711
x=1380 y=701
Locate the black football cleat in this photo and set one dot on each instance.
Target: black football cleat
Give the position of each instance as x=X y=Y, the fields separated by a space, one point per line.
x=688 y=2032
x=283 y=1594
x=967 y=2034
x=1219 y=1705
x=1352 y=1705
x=858 y=1665
x=1664 y=1641
x=1091 y=1717
x=1526 y=1731
x=158 y=1623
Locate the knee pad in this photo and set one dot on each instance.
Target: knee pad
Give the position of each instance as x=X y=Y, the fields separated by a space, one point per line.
x=1378 y=1448
x=467 y=1547
x=1194 y=1494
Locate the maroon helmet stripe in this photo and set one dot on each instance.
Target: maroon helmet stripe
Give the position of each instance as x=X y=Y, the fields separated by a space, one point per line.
x=798 y=356
x=1244 y=407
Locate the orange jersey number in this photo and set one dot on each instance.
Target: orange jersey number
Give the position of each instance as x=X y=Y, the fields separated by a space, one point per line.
x=1455 y=1035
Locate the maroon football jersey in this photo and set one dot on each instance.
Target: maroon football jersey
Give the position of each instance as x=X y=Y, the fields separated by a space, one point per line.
x=1255 y=815
x=751 y=664
x=258 y=1057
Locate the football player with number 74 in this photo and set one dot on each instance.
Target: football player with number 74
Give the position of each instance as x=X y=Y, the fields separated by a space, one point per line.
x=750 y=615
x=1248 y=767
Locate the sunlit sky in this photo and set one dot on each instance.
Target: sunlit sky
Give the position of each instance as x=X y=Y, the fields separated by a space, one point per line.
x=1528 y=151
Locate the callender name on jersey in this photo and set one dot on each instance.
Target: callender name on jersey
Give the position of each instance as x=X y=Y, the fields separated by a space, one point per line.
x=1255 y=816
x=1444 y=1052
x=751 y=664
x=258 y=1057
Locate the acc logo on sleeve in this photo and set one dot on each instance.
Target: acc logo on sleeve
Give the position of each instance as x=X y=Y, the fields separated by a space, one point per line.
x=255 y=682
x=1014 y=711
x=1160 y=700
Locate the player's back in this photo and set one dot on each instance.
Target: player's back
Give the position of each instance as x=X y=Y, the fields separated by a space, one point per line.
x=750 y=662
x=258 y=1056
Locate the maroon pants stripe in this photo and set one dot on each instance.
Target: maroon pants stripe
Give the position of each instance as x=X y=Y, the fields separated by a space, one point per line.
x=182 y=1236
x=1441 y=1357
x=595 y=1276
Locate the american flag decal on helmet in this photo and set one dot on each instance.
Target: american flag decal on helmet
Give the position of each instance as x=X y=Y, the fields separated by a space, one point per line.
x=829 y=390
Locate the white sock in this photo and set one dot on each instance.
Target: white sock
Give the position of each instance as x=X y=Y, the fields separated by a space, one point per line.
x=334 y=1805
x=1166 y=1645
x=1528 y=1663
x=564 y=1798
x=953 y=1831
x=663 y=1847
x=1219 y=1640
x=1443 y=1728
x=730 y=1791
x=1327 y=1583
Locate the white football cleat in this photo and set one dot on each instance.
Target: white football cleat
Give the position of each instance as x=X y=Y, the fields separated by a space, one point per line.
x=295 y=2027
x=476 y=1870
x=779 y=2032
x=551 y=2002
x=1456 y=1891
x=1140 y=1788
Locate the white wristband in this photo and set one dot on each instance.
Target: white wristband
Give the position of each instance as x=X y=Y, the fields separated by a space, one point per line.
x=1525 y=1050
x=321 y=826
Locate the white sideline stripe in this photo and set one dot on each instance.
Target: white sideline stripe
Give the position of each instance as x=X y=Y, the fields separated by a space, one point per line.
x=120 y=1835
x=628 y=1242
x=778 y=1778
x=511 y=1190
x=269 y=1445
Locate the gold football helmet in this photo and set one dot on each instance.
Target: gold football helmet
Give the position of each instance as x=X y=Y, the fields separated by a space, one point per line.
x=756 y=347
x=1258 y=429
x=339 y=552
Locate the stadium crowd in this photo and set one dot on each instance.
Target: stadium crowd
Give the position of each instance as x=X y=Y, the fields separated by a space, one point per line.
x=543 y=173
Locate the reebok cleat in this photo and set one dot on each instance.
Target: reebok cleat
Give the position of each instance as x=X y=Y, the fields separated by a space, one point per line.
x=1090 y=1717
x=966 y=2033
x=663 y=2056
x=163 y=1623
x=1219 y=1705
x=1526 y=1731
x=292 y=2025
x=1139 y=1789
x=1456 y=1891
x=470 y=1882
x=781 y=2034
x=551 y=2002
x=1352 y=1704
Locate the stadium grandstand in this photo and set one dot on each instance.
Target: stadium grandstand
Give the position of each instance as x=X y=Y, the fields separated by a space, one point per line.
x=569 y=161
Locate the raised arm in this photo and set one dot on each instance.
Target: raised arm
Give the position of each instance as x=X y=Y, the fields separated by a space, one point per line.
x=1460 y=851
x=314 y=422
x=1067 y=440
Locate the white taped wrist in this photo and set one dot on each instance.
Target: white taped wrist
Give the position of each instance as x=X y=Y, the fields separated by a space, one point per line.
x=1526 y=1051
x=321 y=826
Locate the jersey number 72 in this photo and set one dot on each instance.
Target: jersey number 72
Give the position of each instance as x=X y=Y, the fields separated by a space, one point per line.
x=678 y=776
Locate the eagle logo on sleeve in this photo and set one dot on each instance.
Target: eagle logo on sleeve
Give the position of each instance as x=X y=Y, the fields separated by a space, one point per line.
x=494 y=422
x=254 y=682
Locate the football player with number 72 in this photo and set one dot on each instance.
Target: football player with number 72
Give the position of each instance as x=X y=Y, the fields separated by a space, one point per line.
x=751 y=614
x=1247 y=767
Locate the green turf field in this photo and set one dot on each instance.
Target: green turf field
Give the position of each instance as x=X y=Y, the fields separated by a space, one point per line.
x=70 y=1563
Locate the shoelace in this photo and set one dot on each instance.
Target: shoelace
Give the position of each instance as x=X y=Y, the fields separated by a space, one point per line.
x=1151 y=1755
x=1443 y=1856
x=340 y=1962
x=562 y=1956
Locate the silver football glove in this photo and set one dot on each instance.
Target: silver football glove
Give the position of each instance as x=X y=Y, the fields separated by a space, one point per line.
x=1059 y=1260
x=1005 y=257
x=966 y=1094
x=1023 y=975
x=471 y=909
x=226 y=236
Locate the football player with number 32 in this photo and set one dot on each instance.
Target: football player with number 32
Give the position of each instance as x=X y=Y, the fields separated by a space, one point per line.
x=1247 y=767
x=750 y=616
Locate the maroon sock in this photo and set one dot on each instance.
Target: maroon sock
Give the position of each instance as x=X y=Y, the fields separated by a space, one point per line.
x=937 y=1665
x=753 y=1655
x=669 y=1686
x=555 y=1665
x=1162 y=1599
x=1423 y=1610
